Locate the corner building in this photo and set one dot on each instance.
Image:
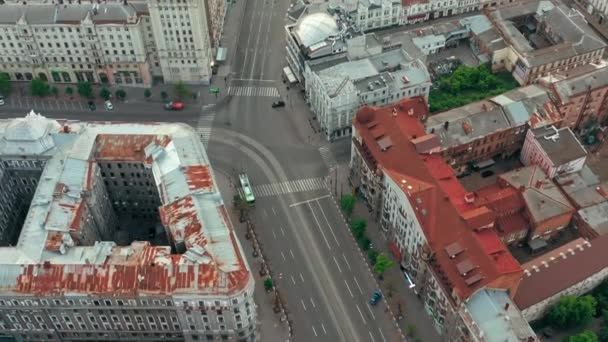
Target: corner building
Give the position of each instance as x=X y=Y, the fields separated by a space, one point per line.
x=75 y=265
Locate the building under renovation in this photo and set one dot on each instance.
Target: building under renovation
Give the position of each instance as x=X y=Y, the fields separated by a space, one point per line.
x=115 y=231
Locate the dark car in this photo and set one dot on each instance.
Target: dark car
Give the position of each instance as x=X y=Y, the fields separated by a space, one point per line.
x=92 y=106
x=277 y=104
x=376 y=297
x=487 y=173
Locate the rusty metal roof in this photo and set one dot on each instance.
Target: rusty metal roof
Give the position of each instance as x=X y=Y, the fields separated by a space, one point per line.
x=47 y=260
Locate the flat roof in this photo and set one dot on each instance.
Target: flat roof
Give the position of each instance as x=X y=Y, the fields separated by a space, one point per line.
x=560 y=145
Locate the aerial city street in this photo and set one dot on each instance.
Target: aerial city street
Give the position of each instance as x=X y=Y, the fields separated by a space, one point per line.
x=304 y=170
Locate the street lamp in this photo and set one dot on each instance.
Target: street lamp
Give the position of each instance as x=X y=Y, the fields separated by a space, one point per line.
x=409 y=280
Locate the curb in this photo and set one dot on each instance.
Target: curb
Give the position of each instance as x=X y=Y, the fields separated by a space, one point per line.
x=364 y=259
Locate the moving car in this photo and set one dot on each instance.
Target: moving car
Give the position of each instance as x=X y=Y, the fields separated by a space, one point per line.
x=174 y=106
x=277 y=104
x=1 y=100
x=109 y=105
x=92 y=106
x=376 y=297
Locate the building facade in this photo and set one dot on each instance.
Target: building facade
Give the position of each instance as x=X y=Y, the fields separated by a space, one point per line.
x=90 y=185
x=130 y=44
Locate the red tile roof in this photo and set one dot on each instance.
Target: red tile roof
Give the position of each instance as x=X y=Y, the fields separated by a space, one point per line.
x=440 y=205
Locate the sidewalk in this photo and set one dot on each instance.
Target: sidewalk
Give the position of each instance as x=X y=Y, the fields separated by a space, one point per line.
x=394 y=284
x=269 y=326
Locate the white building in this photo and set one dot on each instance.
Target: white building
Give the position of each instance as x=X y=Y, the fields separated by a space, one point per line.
x=68 y=271
x=113 y=43
x=336 y=90
x=376 y=14
x=555 y=151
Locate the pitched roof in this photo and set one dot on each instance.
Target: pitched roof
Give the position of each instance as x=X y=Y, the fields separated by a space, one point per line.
x=439 y=217
x=575 y=264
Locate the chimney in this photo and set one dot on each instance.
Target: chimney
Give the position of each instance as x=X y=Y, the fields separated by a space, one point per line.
x=446 y=125
x=506 y=306
x=539 y=184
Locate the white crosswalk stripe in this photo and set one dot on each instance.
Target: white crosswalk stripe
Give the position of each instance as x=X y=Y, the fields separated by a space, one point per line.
x=328 y=157
x=299 y=185
x=205 y=122
x=254 y=91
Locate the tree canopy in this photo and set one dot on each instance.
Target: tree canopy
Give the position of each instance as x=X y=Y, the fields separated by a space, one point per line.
x=572 y=312
x=382 y=264
x=347 y=203
x=5 y=83
x=85 y=89
x=39 y=87
x=585 y=336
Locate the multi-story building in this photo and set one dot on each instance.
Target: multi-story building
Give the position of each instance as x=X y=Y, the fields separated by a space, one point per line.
x=109 y=43
x=448 y=251
x=92 y=185
x=543 y=38
x=376 y=14
x=336 y=91
x=477 y=133
x=597 y=8
x=581 y=95
x=555 y=151
x=592 y=221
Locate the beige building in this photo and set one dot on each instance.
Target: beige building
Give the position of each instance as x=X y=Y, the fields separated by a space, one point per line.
x=119 y=233
x=111 y=43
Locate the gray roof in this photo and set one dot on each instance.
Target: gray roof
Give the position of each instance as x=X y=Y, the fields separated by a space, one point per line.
x=582 y=187
x=497 y=316
x=68 y=13
x=575 y=85
x=543 y=198
x=560 y=145
x=596 y=216
x=570 y=30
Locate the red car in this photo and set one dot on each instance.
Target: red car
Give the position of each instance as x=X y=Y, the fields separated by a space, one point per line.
x=174 y=106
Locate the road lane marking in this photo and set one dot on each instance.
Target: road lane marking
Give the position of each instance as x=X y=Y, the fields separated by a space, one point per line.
x=292 y=279
x=381 y=334
x=321 y=230
x=302 y=277
x=324 y=331
x=273 y=234
x=312 y=302
x=356 y=282
x=346 y=261
x=372 y=336
x=265 y=214
x=370 y=311
x=291 y=252
x=283 y=255
x=336 y=261
x=274 y=212
x=329 y=225
x=257 y=44
x=303 y=305
x=310 y=200
x=313 y=330
x=361 y=314
x=251 y=79
x=349 y=291
x=282 y=231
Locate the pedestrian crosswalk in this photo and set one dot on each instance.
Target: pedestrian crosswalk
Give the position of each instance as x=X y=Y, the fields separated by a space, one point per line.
x=328 y=157
x=299 y=185
x=253 y=91
x=205 y=122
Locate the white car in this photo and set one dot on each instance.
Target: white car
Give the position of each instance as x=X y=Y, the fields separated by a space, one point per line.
x=109 y=105
x=1 y=100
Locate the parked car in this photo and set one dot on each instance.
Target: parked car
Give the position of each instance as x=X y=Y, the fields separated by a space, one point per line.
x=174 y=106
x=487 y=173
x=1 y=100
x=376 y=297
x=277 y=104
x=109 y=105
x=92 y=106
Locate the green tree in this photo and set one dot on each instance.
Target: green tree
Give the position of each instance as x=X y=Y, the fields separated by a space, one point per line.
x=372 y=255
x=383 y=263
x=357 y=226
x=5 y=83
x=268 y=284
x=85 y=89
x=164 y=95
x=242 y=206
x=147 y=93
x=39 y=88
x=69 y=91
x=180 y=90
x=410 y=330
x=603 y=334
x=364 y=243
x=105 y=93
x=347 y=203
x=572 y=312
x=54 y=91
x=120 y=94
x=585 y=336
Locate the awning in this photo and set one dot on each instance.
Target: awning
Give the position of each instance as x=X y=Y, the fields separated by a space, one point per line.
x=417 y=16
x=221 y=54
x=484 y=164
x=290 y=77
